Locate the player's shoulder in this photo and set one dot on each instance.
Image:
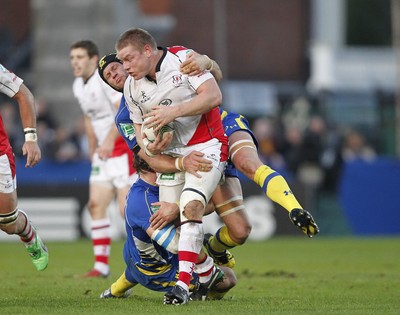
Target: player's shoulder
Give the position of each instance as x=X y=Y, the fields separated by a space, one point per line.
x=176 y=49
x=7 y=75
x=179 y=51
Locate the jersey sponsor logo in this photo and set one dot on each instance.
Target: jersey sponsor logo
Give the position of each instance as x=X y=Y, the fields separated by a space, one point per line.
x=165 y=102
x=95 y=170
x=8 y=184
x=213 y=157
x=177 y=80
x=167 y=176
x=128 y=130
x=145 y=98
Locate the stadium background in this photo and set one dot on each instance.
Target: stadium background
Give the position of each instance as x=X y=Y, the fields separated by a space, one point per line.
x=308 y=74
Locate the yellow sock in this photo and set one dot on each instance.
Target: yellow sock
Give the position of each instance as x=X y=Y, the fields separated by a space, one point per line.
x=276 y=187
x=119 y=287
x=222 y=241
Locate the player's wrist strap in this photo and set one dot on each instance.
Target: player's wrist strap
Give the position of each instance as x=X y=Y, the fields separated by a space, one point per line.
x=30 y=134
x=146 y=142
x=179 y=163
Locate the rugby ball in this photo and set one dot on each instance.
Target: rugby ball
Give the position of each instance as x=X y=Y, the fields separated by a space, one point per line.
x=151 y=135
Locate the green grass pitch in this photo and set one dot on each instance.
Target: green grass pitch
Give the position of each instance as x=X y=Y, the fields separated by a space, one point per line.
x=293 y=275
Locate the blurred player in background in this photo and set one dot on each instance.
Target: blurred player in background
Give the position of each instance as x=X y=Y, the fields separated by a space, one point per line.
x=13 y=220
x=111 y=159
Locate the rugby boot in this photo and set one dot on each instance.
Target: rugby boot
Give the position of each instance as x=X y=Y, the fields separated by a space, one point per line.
x=200 y=292
x=38 y=252
x=176 y=296
x=304 y=221
x=224 y=258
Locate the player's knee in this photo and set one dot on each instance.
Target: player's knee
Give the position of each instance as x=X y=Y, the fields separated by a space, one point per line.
x=231 y=278
x=223 y=287
x=246 y=165
x=240 y=233
x=94 y=208
x=193 y=204
x=193 y=210
x=8 y=221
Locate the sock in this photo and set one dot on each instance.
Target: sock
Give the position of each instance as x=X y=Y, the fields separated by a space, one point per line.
x=101 y=238
x=205 y=269
x=190 y=244
x=28 y=234
x=276 y=188
x=119 y=287
x=221 y=241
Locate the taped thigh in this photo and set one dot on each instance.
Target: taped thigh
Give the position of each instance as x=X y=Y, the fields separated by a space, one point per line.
x=230 y=206
x=240 y=144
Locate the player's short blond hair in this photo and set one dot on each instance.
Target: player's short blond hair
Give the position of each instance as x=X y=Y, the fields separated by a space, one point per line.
x=136 y=37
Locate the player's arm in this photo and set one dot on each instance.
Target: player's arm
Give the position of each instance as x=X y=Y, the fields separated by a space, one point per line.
x=196 y=64
x=106 y=148
x=92 y=140
x=191 y=163
x=167 y=237
x=208 y=96
x=27 y=112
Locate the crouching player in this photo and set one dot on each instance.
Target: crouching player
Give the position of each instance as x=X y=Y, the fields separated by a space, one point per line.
x=151 y=254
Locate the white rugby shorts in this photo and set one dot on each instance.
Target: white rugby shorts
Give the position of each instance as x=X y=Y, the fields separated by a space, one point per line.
x=171 y=185
x=8 y=182
x=113 y=171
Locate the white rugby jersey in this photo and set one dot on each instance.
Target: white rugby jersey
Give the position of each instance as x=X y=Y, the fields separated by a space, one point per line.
x=97 y=101
x=9 y=85
x=9 y=82
x=172 y=88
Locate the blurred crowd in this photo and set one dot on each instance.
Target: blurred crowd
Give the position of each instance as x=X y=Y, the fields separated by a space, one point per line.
x=58 y=143
x=300 y=143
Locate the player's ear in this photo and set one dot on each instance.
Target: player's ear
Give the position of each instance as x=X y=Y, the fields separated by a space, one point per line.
x=148 y=50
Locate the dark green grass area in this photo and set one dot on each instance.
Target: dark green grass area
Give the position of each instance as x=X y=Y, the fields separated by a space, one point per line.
x=278 y=276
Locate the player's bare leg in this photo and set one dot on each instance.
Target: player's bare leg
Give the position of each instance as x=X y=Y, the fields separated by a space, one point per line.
x=228 y=202
x=17 y=222
x=100 y=198
x=244 y=155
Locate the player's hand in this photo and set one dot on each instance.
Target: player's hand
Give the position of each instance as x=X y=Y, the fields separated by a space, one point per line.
x=194 y=64
x=167 y=213
x=160 y=116
x=160 y=144
x=304 y=221
x=194 y=162
x=32 y=152
x=105 y=150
